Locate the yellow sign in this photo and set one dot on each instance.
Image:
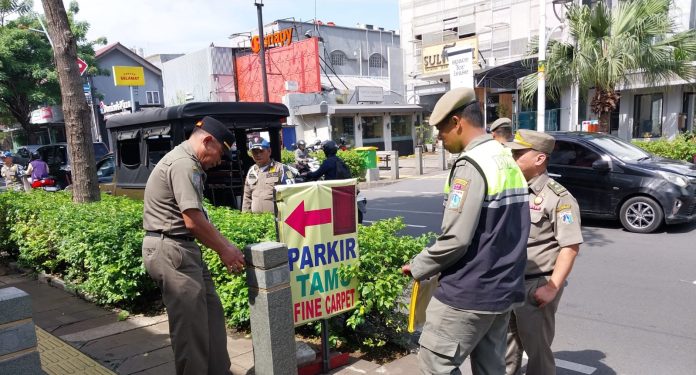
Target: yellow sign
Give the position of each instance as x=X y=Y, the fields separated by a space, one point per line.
x=129 y=76
x=279 y=38
x=318 y=222
x=435 y=57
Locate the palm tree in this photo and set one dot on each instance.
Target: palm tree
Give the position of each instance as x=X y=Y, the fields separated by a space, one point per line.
x=635 y=37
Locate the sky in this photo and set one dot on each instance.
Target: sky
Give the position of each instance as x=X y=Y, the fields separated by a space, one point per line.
x=182 y=26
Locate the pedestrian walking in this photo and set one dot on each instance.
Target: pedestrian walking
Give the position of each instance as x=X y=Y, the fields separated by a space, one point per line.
x=262 y=177
x=173 y=218
x=554 y=242
x=480 y=254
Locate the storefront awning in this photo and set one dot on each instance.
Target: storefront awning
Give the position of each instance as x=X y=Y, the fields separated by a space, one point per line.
x=505 y=76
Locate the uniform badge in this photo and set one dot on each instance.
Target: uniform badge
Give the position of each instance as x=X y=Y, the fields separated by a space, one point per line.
x=456 y=199
x=538 y=200
x=566 y=217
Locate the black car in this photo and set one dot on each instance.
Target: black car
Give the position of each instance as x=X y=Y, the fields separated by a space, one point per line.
x=56 y=156
x=612 y=178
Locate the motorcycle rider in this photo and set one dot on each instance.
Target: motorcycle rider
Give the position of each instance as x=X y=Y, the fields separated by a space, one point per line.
x=333 y=168
x=37 y=168
x=302 y=155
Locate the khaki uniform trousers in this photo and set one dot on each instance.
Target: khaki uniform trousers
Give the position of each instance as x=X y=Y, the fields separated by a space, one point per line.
x=196 y=318
x=532 y=330
x=450 y=335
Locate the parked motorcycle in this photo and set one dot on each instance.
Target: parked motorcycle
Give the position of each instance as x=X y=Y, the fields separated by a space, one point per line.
x=47 y=183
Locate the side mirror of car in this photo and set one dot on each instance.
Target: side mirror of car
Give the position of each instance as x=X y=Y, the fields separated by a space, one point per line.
x=601 y=165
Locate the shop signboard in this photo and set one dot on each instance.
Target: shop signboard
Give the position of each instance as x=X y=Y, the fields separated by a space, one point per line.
x=129 y=76
x=461 y=67
x=435 y=59
x=318 y=223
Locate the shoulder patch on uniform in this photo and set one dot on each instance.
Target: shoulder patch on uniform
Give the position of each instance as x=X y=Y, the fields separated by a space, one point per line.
x=557 y=188
x=563 y=207
x=460 y=184
x=566 y=217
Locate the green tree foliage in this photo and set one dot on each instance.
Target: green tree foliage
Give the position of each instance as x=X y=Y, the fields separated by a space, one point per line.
x=636 y=39
x=683 y=147
x=27 y=72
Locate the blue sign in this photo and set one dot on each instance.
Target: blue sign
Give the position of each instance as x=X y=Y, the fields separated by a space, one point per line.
x=86 y=88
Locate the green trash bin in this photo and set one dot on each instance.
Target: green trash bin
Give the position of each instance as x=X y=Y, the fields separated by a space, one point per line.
x=369 y=156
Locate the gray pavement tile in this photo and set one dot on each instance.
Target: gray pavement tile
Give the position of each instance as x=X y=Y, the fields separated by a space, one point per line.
x=86 y=324
x=130 y=324
x=243 y=361
x=164 y=369
x=144 y=361
x=50 y=320
x=403 y=365
x=237 y=346
x=355 y=366
x=118 y=348
x=237 y=370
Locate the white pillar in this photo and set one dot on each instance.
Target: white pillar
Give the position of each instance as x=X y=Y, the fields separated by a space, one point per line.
x=541 y=84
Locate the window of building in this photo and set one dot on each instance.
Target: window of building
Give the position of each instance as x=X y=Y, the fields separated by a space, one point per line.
x=376 y=61
x=687 y=119
x=400 y=128
x=372 y=130
x=343 y=127
x=338 y=58
x=647 y=116
x=152 y=97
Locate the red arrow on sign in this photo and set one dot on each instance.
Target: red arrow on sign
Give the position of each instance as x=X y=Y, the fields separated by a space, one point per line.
x=81 y=65
x=299 y=219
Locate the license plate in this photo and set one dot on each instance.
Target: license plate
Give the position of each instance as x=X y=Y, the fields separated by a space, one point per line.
x=50 y=188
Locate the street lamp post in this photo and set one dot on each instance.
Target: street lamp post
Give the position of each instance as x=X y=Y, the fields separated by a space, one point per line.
x=262 y=51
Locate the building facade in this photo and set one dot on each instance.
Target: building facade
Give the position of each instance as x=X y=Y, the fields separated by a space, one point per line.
x=206 y=75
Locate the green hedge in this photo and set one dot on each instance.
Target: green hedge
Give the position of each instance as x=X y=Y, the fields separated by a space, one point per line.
x=683 y=147
x=96 y=248
x=352 y=159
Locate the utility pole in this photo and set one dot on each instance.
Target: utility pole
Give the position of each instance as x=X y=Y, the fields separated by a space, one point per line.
x=262 y=51
x=541 y=68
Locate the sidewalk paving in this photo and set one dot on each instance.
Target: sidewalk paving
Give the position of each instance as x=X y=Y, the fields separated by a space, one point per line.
x=78 y=337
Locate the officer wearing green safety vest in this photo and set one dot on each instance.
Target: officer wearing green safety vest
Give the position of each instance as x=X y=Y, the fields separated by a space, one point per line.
x=480 y=255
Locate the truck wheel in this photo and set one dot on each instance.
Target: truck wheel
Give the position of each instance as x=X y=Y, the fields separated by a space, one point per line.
x=641 y=215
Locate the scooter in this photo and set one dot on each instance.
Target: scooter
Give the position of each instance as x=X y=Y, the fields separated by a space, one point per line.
x=47 y=183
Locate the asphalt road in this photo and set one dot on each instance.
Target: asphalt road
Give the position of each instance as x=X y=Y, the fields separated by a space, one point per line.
x=630 y=304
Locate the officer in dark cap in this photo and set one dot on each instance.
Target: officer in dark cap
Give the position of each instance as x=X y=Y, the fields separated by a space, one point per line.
x=173 y=218
x=554 y=242
x=480 y=265
x=502 y=130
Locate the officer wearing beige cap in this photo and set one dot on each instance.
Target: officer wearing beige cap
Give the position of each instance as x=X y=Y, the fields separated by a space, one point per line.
x=554 y=242
x=481 y=267
x=502 y=130
x=173 y=218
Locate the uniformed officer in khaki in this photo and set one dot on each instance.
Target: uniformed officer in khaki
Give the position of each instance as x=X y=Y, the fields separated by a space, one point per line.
x=480 y=267
x=262 y=177
x=173 y=217
x=502 y=130
x=11 y=173
x=554 y=242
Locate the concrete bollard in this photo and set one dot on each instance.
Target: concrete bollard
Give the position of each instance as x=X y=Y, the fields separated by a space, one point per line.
x=18 y=354
x=394 y=156
x=419 y=160
x=270 y=301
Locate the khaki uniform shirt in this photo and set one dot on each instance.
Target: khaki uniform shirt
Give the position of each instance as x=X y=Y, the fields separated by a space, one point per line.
x=174 y=186
x=459 y=221
x=9 y=174
x=555 y=217
x=259 y=183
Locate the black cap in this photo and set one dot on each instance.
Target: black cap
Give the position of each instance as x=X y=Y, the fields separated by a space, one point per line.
x=219 y=131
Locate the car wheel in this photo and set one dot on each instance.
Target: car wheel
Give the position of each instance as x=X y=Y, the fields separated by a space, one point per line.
x=641 y=215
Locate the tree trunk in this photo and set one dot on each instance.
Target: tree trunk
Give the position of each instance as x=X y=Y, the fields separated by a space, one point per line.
x=604 y=122
x=77 y=121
